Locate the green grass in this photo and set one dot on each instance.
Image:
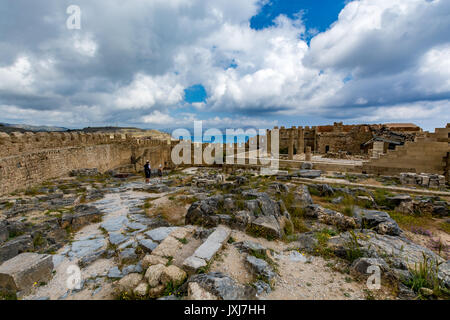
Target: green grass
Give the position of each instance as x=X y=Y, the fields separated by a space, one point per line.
x=8 y=296
x=445 y=226
x=353 y=247
x=425 y=275
x=407 y=221
x=380 y=196
x=38 y=240
x=322 y=237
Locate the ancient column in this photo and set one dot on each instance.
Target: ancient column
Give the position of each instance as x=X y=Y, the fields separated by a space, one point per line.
x=301 y=141
x=269 y=142
x=291 y=144
x=308 y=156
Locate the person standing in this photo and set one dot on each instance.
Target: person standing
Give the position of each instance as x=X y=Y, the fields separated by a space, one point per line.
x=148 y=171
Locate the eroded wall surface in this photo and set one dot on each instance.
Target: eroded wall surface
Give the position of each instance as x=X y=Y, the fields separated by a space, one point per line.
x=29 y=159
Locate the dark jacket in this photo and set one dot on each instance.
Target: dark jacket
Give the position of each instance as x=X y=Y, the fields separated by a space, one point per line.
x=147 y=170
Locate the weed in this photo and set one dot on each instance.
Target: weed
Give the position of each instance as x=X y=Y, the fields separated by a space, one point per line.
x=354 y=250
x=425 y=275
x=7 y=296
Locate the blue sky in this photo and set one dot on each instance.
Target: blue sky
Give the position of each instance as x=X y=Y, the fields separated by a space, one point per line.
x=228 y=63
x=317 y=15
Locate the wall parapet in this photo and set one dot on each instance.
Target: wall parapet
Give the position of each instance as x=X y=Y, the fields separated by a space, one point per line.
x=17 y=143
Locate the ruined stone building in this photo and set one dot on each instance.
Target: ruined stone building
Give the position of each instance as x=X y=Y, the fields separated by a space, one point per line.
x=351 y=139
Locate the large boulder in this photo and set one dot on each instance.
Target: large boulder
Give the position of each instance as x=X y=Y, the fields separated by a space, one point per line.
x=399 y=252
x=266 y=227
x=25 y=270
x=222 y=286
x=260 y=268
x=82 y=216
x=173 y=274
x=15 y=246
x=379 y=221
x=361 y=265
x=330 y=217
x=302 y=197
x=129 y=283
x=153 y=274
x=205 y=212
x=309 y=174
x=252 y=209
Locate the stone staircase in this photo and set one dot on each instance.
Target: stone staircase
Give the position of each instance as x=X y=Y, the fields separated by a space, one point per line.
x=426 y=154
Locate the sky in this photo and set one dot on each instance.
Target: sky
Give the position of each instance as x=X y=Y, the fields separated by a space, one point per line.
x=230 y=63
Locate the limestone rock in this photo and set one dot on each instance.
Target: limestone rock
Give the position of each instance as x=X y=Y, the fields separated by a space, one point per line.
x=267 y=227
x=213 y=244
x=330 y=217
x=153 y=274
x=173 y=274
x=157 y=291
x=401 y=251
x=249 y=247
x=223 y=286
x=261 y=268
x=129 y=282
x=147 y=245
x=13 y=247
x=204 y=212
x=196 y=292
x=378 y=220
x=192 y=264
x=168 y=248
x=159 y=234
x=22 y=271
x=362 y=264
x=150 y=260
x=309 y=174
x=303 y=197
x=82 y=216
x=141 y=290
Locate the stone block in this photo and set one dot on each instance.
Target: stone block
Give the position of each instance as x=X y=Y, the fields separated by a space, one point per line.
x=23 y=271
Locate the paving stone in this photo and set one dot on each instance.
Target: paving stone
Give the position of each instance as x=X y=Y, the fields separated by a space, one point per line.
x=159 y=234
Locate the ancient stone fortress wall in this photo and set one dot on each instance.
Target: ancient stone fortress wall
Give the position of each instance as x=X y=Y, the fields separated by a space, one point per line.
x=427 y=154
x=28 y=159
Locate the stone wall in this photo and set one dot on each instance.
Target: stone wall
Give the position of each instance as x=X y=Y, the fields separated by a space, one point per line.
x=29 y=159
x=342 y=140
x=426 y=155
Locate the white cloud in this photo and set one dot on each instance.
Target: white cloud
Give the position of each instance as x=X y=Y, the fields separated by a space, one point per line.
x=16 y=75
x=131 y=64
x=146 y=92
x=158 y=118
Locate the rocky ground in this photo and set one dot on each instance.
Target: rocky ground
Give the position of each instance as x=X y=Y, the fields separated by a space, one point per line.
x=203 y=234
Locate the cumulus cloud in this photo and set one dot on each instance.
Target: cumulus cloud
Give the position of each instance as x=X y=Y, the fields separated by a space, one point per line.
x=130 y=64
